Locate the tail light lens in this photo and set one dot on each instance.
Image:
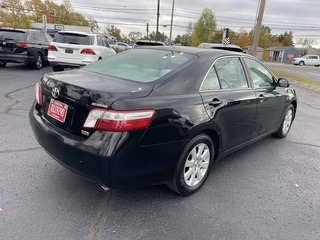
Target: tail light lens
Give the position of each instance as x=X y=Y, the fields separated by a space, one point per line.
x=38 y=94
x=88 y=51
x=23 y=45
x=118 y=121
x=52 y=48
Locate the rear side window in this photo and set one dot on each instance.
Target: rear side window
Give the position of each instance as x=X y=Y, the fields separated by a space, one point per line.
x=73 y=38
x=140 y=65
x=13 y=36
x=231 y=73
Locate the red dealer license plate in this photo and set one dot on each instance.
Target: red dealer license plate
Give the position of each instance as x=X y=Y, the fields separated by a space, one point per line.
x=57 y=110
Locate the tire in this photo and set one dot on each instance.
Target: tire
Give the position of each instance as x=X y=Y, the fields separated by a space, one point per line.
x=285 y=124
x=301 y=63
x=57 y=68
x=194 y=166
x=38 y=61
x=3 y=64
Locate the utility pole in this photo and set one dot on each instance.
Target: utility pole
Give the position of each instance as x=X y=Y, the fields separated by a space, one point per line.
x=171 y=23
x=253 y=50
x=158 y=15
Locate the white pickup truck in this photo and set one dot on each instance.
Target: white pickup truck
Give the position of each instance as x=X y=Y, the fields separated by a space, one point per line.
x=307 y=60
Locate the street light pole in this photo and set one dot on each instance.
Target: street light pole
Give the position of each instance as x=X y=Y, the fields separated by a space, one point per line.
x=158 y=14
x=171 y=23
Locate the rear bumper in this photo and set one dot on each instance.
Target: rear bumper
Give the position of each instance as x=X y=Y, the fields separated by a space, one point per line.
x=115 y=160
x=16 y=58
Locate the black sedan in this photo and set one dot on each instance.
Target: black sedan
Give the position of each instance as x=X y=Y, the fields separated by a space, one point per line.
x=159 y=115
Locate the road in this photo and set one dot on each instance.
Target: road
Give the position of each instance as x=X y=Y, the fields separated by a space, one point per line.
x=269 y=190
x=308 y=72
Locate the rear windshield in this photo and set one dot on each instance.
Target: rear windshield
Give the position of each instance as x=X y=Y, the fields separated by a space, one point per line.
x=73 y=38
x=140 y=65
x=12 y=35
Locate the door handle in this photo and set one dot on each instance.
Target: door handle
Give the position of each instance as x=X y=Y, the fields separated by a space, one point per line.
x=215 y=102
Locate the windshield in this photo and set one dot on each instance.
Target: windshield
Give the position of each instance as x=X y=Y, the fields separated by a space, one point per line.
x=140 y=65
x=73 y=38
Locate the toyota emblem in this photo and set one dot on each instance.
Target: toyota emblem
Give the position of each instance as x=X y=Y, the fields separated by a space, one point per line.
x=55 y=92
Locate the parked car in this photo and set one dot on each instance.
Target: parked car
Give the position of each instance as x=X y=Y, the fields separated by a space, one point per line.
x=140 y=43
x=120 y=46
x=159 y=115
x=71 y=49
x=24 y=46
x=307 y=60
x=229 y=47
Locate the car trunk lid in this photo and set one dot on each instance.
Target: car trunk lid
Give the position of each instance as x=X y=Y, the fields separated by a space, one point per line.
x=67 y=105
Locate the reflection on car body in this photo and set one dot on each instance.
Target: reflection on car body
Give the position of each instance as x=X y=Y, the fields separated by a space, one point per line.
x=159 y=115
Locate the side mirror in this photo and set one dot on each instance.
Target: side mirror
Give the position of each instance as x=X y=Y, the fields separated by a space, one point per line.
x=282 y=82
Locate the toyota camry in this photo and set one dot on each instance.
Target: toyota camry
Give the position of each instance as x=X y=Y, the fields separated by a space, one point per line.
x=159 y=115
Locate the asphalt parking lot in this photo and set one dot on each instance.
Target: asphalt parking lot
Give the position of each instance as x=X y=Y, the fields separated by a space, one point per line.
x=269 y=190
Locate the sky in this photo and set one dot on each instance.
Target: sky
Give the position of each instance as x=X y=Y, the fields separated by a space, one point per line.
x=302 y=17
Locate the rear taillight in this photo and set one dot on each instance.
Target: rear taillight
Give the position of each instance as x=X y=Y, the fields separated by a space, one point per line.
x=118 y=121
x=38 y=94
x=23 y=45
x=52 y=48
x=88 y=51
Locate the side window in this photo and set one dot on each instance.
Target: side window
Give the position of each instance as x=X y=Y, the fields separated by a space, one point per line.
x=41 y=37
x=259 y=74
x=211 y=81
x=106 y=41
x=32 y=37
x=100 y=41
x=231 y=73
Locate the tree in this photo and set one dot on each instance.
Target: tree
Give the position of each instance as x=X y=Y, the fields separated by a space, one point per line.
x=181 y=40
x=305 y=42
x=286 y=39
x=133 y=36
x=13 y=14
x=205 y=27
x=113 y=31
x=265 y=38
x=243 y=40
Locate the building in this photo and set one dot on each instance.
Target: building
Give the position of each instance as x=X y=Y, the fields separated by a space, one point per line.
x=259 y=51
x=52 y=29
x=280 y=54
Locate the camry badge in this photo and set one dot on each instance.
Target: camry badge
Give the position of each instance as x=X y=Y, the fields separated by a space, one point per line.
x=55 y=92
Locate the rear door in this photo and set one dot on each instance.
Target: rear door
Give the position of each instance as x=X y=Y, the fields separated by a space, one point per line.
x=229 y=101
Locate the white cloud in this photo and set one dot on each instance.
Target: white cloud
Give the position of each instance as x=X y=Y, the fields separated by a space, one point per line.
x=299 y=16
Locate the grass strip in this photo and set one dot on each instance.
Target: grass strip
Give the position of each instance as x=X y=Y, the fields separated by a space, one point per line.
x=294 y=78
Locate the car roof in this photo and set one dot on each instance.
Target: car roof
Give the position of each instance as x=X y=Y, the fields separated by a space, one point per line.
x=195 y=50
x=19 y=29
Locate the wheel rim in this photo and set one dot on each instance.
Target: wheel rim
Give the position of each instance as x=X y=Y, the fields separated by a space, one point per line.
x=39 y=62
x=287 y=121
x=197 y=164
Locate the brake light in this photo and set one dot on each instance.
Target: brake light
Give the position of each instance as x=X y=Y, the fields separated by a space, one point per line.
x=88 y=51
x=52 y=48
x=38 y=94
x=23 y=45
x=118 y=121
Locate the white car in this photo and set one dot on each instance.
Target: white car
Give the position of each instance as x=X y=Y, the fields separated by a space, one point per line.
x=121 y=46
x=307 y=60
x=70 y=49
